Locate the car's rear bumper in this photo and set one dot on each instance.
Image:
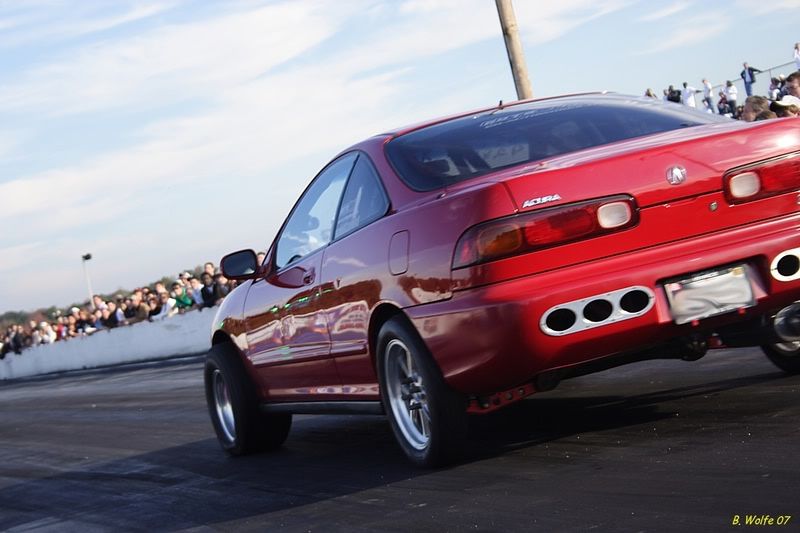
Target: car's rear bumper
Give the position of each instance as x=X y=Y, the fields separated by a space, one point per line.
x=489 y=338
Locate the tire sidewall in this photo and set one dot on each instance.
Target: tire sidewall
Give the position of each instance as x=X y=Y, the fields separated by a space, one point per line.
x=447 y=412
x=219 y=359
x=786 y=360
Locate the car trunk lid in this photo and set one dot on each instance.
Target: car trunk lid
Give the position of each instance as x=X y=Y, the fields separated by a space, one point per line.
x=654 y=170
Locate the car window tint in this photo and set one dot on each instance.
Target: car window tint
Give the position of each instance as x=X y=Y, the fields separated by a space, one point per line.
x=452 y=151
x=363 y=200
x=310 y=226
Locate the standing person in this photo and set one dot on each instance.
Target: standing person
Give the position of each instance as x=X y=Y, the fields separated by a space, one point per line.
x=731 y=95
x=139 y=311
x=182 y=300
x=166 y=307
x=708 y=99
x=687 y=95
x=748 y=74
x=197 y=295
x=48 y=333
x=210 y=291
x=797 y=56
x=774 y=89
x=223 y=284
x=99 y=303
x=673 y=95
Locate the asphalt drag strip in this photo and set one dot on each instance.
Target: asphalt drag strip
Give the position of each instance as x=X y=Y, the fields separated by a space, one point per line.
x=655 y=446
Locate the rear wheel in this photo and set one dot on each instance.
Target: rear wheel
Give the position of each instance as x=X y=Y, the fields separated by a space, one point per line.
x=233 y=406
x=428 y=418
x=784 y=355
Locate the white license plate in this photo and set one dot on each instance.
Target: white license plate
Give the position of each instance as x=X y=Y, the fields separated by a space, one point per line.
x=709 y=294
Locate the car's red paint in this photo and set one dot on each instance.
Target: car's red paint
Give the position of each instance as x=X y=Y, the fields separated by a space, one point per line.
x=498 y=323
x=306 y=332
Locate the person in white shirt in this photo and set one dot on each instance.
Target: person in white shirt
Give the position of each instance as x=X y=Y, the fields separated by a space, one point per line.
x=687 y=95
x=168 y=307
x=708 y=99
x=774 y=89
x=797 y=56
x=731 y=94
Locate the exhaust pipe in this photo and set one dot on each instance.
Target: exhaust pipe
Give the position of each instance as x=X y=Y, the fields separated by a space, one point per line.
x=787 y=323
x=786 y=265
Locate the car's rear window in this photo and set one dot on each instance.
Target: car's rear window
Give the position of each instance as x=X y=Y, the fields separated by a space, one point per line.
x=467 y=147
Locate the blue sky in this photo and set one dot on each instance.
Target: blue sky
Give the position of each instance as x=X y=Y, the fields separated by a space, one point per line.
x=157 y=135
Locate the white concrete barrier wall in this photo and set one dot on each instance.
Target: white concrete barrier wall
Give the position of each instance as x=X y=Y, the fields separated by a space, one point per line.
x=179 y=335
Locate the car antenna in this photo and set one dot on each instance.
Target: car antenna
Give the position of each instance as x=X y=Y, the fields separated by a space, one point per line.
x=498 y=108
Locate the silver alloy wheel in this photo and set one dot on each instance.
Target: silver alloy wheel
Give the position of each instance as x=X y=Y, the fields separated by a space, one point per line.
x=407 y=396
x=222 y=403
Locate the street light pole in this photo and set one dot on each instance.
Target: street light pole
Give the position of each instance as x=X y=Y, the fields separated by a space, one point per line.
x=85 y=258
x=516 y=56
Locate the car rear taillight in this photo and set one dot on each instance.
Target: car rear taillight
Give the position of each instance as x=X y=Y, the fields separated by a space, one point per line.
x=544 y=228
x=764 y=179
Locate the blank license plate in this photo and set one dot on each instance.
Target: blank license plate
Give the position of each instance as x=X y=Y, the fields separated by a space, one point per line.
x=709 y=294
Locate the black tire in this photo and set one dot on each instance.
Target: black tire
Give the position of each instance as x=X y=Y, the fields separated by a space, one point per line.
x=240 y=426
x=785 y=355
x=428 y=418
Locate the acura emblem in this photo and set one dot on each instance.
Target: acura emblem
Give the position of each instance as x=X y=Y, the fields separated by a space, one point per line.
x=676 y=175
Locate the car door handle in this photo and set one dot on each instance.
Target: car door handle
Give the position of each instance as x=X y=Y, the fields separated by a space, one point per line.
x=308 y=277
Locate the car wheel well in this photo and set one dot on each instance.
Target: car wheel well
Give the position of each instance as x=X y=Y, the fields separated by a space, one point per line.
x=377 y=319
x=220 y=337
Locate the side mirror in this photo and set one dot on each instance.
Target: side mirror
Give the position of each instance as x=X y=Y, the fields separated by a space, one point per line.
x=239 y=265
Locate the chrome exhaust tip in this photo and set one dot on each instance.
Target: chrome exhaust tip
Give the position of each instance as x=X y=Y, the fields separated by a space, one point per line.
x=786 y=265
x=597 y=310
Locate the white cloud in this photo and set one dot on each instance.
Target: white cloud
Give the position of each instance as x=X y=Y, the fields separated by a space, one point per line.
x=699 y=29
x=545 y=21
x=664 y=12
x=173 y=63
x=34 y=22
x=764 y=8
x=137 y=12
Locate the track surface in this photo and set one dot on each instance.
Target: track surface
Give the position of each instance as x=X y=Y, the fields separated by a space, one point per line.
x=656 y=446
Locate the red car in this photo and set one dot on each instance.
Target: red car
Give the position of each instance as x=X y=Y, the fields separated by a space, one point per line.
x=455 y=267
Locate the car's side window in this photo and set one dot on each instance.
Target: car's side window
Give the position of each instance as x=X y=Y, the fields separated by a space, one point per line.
x=363 y=200
x=310 y=226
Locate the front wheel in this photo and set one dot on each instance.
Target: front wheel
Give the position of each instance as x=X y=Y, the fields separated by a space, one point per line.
x=784 y=355
x=233 y=405
x=428 y=418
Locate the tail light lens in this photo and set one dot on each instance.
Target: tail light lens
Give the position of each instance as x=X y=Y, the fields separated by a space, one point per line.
x=544 y=228
x=764 y=179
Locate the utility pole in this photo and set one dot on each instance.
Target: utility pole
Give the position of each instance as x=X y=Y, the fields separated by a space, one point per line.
x=516 y=57
x=85 y=258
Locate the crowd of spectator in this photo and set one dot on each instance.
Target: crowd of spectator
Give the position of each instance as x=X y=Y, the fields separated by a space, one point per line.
x=782 y=99
x=150 y=303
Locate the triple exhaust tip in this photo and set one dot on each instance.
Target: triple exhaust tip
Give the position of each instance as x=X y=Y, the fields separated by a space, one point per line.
x=587 y=313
